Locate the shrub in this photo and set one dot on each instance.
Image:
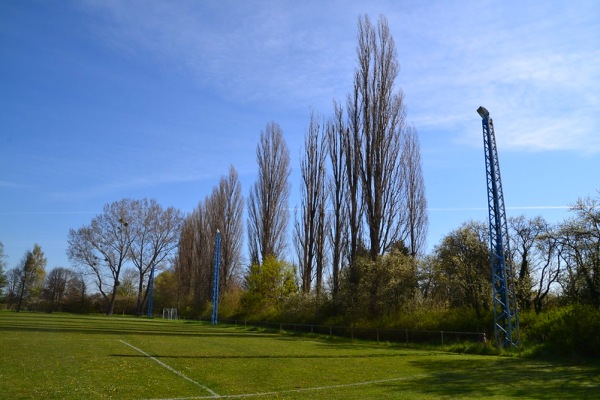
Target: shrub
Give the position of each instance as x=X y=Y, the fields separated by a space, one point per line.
x=566 y=331
x=268 y=285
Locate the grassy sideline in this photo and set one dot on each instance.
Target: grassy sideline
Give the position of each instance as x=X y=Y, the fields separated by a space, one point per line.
x=60 y=356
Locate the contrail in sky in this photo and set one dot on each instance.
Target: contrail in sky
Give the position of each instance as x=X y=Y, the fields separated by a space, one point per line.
x=47 y=212
x=508 y=208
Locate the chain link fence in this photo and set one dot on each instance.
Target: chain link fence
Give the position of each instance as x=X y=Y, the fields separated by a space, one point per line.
x=379 y=335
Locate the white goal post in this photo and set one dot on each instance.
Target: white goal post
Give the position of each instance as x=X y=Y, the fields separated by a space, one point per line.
x=170 y=313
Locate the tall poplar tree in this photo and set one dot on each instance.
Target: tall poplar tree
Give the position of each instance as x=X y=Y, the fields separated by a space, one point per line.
x=377 y=113
x=310 y=229
x=269 y=196
x=415 y=201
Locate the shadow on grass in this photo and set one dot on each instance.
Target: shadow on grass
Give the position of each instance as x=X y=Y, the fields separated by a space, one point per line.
x=503 y=377
x=113 y=330
x=267 y=356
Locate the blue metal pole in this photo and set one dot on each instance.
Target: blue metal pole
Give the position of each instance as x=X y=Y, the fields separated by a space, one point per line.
x=215 y=310
x=506 y=328
x=151 y=289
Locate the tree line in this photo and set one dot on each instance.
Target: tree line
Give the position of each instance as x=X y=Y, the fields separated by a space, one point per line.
x=361 y=188
x=29 y=287
x=554 y=265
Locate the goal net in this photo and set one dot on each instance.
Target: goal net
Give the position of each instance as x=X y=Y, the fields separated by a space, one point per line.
x=170 y=313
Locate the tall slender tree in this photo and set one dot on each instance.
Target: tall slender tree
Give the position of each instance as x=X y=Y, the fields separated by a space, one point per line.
x=3 y=277
x=309 y=229
x=378 y=117
x=31 y=274
x=269 y=196
x=194 y=262
x=352 y=159
x=231 y=226
x=415 y=206
x=194 y=258
x=337 y=187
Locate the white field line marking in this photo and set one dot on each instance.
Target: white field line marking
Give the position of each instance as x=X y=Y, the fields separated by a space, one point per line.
x=274 y=393
x=172 y=370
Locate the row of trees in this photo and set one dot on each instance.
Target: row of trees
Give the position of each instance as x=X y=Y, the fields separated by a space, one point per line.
x=361 y=184
x=554 y=264
x=373 y=193
x=136 y=234
x=29 y=287
x=371 y=197
x=559 y=263
x=193 y=264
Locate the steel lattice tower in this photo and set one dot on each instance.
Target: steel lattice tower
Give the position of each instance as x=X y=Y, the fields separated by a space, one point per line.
x=506 y=318
x=215 y=308
x=151 y=290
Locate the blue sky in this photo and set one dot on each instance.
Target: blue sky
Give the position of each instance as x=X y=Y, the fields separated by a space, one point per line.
x=101 y=100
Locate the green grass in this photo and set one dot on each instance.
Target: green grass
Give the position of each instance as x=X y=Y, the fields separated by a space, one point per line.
x=57 y=356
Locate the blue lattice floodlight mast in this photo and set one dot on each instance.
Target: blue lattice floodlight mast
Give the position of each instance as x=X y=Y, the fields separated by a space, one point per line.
x=506 y=318
x=215 y=309
x=151 y=290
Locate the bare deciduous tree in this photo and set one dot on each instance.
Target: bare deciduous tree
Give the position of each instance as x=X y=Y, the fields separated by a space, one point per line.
x=309 y=229
x=268 y=201
x=545 y=266
x=56 y=286
x=194 y=262
x=3 y=277
x=415 y=218
x=380 y=114
x=351 y=151
x=194 y=258
x=155 y=235
x=184 y=263
x=337 y=186
x=231 y=226
x=103 y=247
x=579 y=241
x=523 y=237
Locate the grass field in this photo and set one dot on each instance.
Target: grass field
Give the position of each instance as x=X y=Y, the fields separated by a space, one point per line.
x=57 y=356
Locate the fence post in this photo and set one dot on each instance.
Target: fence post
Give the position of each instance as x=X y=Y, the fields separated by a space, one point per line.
x=442 y=338
x=330 y=332
x=377 y=336
x=406 y=331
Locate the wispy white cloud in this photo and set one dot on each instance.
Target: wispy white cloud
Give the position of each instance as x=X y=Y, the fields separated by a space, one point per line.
x=130 y=183
x=6 y=184
x=533 y=66
x=533 y=69
x=265 y=51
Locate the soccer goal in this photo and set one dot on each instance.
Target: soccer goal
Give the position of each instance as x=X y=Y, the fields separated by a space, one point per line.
x=170 y=313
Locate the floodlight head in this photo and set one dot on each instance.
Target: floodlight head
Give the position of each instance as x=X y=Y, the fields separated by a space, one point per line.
x=483 y=112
